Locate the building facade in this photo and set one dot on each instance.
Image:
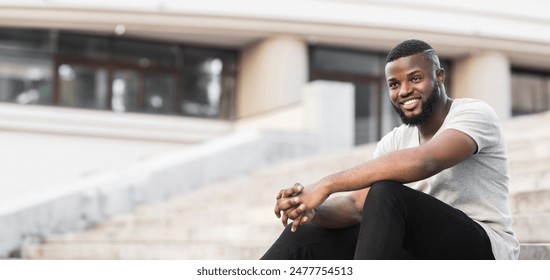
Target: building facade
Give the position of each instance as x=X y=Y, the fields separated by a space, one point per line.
x=131 y=79
x=232 y=61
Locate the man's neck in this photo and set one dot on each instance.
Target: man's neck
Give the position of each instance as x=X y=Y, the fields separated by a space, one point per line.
x=428 y=128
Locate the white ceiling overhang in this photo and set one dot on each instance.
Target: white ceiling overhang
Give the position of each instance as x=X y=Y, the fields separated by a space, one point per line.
x=456 y=28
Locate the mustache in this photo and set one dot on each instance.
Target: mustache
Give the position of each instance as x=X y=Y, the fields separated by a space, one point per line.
x=425 y=114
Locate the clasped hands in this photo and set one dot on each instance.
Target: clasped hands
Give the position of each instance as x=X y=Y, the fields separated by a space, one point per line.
x=298 y=204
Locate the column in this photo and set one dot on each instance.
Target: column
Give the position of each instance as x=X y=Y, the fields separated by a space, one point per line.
x=485 y=76
x=272 y=74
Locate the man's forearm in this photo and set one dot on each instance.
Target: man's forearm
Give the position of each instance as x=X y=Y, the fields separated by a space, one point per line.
x=388 y=167
x=337 y=212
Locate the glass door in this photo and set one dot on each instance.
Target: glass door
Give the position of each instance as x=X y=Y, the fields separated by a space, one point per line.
x=140 y=91
x=82 y=86
x=125 y=91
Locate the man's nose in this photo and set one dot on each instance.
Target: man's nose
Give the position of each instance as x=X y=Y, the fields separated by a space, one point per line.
x=405 y=90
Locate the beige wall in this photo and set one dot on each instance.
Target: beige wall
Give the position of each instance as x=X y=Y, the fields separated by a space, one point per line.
x=272 y=74
x=485 y=76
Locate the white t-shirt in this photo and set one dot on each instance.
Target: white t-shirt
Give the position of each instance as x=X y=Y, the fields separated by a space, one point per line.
x=478 y=186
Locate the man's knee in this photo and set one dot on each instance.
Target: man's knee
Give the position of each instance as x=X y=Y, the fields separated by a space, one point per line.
x=384 y=193
x=308 y=242
x=386 y=188
x=303 y=234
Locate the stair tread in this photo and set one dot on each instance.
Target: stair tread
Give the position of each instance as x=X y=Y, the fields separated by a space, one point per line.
x=534 y=251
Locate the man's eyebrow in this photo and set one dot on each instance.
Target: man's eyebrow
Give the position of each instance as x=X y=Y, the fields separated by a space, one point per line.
x=414 y=73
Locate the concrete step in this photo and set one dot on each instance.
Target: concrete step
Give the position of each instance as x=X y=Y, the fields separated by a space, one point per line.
x=161 y=250
x=528 y=147
x=528 y=153
x=195 y=250
x=526 y=127
x=529 y=181
x=534 y=251
x=530 y=171
x=532 y=227
x=531 y=164
x=537 y=201
x=531 y=217
x=220 y=215
x=189 y=232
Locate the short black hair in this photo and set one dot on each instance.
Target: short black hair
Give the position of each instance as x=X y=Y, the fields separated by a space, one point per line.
x=407 y=48
x=412 y=47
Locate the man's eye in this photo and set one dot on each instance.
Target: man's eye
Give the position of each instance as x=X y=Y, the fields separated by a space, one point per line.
x=415 y=79
x=393 y=85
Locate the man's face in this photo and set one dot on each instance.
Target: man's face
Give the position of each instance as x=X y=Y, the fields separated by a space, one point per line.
x=413 y=87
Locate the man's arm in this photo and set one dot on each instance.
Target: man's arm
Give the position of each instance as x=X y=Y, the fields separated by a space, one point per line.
x=341 y=211
x=409 y=165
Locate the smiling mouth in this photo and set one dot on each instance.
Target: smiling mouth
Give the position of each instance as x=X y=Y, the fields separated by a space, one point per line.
x=410 y=104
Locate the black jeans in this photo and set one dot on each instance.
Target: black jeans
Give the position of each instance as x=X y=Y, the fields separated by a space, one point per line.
x=398 y=223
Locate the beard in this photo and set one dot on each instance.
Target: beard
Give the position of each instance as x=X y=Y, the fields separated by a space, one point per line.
x=427 y=110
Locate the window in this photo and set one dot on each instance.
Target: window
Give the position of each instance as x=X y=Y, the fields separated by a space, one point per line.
x=530 y=92
x=116 y=74
x=25 y=66
x=82 y=87
x=25 y=40
x=208 y=83
x=145 y=54
x=160 y=93
x=25 y=80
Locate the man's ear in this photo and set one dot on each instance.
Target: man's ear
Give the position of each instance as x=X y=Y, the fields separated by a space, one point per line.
x=440 y=76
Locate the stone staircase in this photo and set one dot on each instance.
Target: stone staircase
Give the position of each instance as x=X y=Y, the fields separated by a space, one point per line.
x=528 y=140
x=234 y=219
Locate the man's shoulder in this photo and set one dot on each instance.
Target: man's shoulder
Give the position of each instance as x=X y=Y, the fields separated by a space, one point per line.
x=472 y=106
x=471 y=103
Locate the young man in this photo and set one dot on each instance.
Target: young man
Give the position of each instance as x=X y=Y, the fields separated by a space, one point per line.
x=450 y=154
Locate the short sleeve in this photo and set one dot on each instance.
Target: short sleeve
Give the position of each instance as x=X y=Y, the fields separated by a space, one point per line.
x=478 y=120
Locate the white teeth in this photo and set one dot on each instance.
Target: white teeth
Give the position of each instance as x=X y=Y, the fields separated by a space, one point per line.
x=410 y=101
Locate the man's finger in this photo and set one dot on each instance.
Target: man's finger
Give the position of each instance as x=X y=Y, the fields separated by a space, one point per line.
x=296 y=224
x=277 y=210
x=308 y=216
x=296 y=189
x=294 y=213
x=284 y=219
x=288 y=203
x=301 y=209
x=301 y=216
x=280 y=194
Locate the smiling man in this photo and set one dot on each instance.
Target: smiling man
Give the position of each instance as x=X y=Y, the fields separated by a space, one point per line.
x=437 y=187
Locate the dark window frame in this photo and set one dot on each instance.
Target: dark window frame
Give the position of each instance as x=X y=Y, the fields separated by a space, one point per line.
x=106 y=59
x=112 y=66
x=540 y=73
